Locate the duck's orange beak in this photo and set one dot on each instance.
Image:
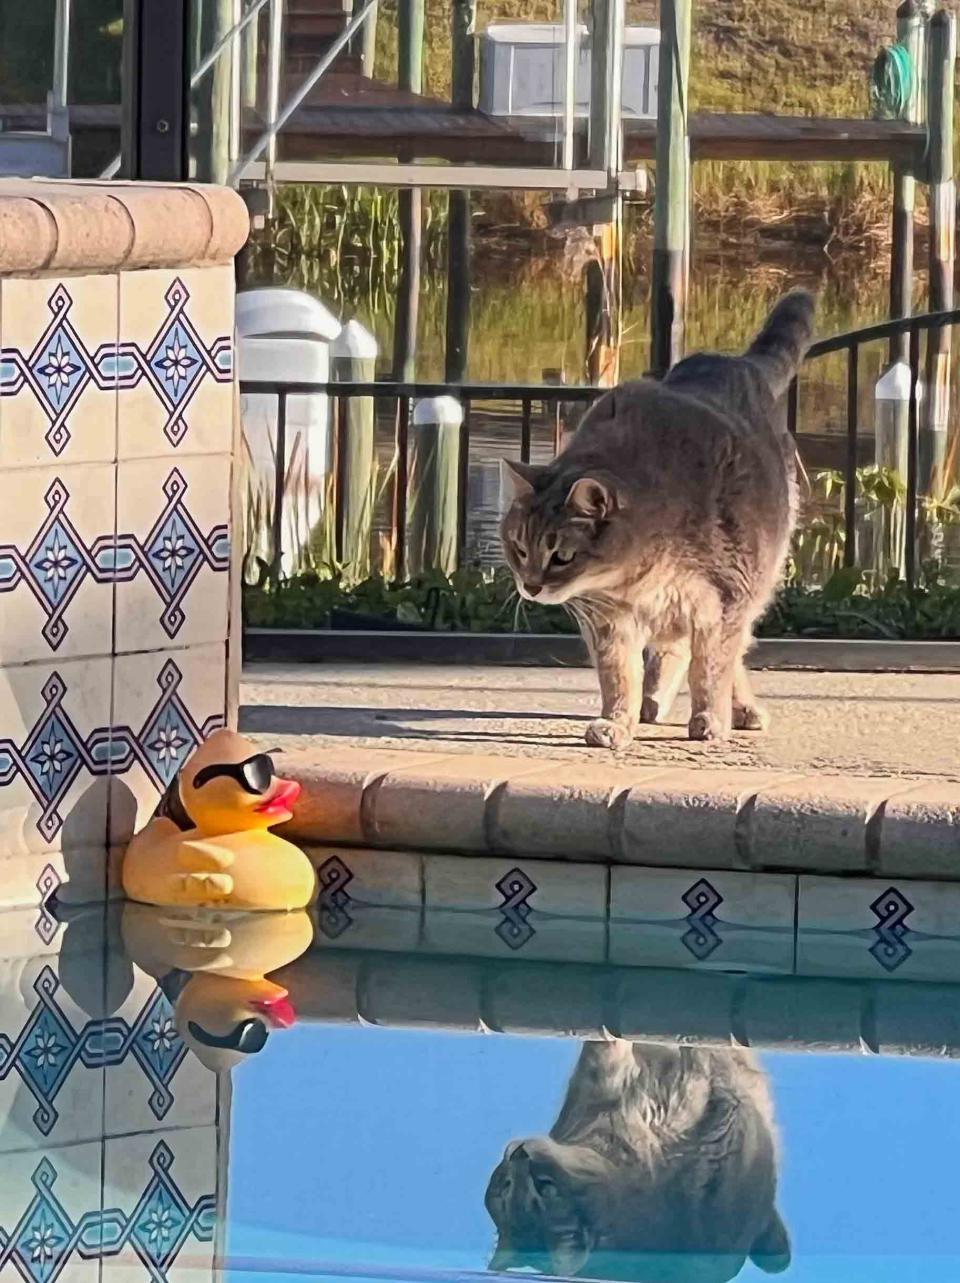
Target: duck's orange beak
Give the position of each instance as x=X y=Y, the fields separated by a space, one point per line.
x=277 y=1010
x=279 y=799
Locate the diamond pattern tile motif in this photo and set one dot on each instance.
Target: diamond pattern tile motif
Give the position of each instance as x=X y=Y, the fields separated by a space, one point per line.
x=56 y=562
x=58 y=371
x=173 y=549
x=175 y=363
x=164 y=704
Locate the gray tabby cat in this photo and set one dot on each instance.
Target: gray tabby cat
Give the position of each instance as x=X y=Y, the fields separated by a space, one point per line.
x=664 y=526
x=661 y=1166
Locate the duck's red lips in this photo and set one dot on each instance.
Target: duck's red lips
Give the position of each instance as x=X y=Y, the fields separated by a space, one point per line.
x=281 y=800
x=279 y=1010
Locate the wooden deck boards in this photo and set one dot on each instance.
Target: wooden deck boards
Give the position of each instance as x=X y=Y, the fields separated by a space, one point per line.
x=350 y=116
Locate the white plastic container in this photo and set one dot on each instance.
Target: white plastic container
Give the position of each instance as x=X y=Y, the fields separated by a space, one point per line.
x=284 y=336
x=522 y=70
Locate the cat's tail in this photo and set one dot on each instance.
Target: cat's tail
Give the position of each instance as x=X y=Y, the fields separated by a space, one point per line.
x=782 y=344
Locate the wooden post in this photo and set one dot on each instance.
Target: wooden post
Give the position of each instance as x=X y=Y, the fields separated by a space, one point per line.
x=604 y=294
x=250 y=63
x=434 y=486
x=463 y=18
x=943 y=199
x=410 y=204
x=212 y=144
x=911 y=32
x=603 y=275
x=369 y=45
x=354 y=361
x=672 y=205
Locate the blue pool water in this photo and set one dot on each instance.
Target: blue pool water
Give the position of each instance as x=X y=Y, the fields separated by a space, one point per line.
x=376 y=1145
x=381 y=1134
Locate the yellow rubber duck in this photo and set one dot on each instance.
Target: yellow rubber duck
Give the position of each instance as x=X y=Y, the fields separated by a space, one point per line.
x=208 y=842
x=228 y=1008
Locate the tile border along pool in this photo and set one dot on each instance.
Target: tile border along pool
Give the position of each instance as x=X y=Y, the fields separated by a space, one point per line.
x=730 y=819
x=776 y=924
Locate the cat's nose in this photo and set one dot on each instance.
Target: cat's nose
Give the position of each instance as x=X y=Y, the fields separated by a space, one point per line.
x=533 y=590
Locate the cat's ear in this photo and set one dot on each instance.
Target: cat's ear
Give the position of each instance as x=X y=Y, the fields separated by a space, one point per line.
x=771 y=1249
x=516 y=481
x=591 y=498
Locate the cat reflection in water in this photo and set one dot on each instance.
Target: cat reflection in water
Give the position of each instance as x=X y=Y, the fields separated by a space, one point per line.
x=661 y=1166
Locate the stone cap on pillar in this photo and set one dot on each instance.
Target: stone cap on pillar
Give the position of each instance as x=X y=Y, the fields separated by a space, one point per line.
x=77 y=226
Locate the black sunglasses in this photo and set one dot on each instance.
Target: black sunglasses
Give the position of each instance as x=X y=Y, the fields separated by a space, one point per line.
x=253 y=775
x=249 y=1037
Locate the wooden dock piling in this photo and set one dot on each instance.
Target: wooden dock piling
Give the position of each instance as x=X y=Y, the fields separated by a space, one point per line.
x=911 y=33
x=409 y=202
x=672 y=203
x=941 y=65
x=603 y=276
x=463 y=20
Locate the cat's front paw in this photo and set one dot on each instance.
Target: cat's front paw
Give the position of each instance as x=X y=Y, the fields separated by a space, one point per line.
x=706 y=726
x=603 y=733
x=748 y=717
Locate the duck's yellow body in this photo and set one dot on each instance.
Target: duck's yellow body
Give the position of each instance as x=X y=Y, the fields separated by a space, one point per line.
x=209 y=843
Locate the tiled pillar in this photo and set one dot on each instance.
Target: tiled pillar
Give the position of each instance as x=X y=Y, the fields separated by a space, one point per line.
x=117 y=437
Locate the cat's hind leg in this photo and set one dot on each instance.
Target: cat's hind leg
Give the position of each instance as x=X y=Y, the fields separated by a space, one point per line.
x=665 y=667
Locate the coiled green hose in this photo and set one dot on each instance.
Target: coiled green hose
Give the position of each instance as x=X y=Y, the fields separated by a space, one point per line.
x=891 y=83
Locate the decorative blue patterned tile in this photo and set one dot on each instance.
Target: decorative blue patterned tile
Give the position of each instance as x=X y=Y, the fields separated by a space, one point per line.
x=872 y=928
x=173 y=552
x=58 y=371
x=51 y=1218
x=693 y=918
x=57 y=562
x=155 y=1083
x=543 y=909
x=54 y=760
x=161 y=1204
x=165 y=703
x=52 y=1051
x=176 y=362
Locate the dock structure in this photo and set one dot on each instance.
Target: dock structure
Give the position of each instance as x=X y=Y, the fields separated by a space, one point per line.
x=315 y=111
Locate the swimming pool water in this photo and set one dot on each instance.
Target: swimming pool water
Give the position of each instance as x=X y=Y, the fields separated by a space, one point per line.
x=347 y=1146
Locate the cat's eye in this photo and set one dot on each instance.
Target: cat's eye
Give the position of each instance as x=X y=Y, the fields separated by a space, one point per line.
x=521 y=552
x=545 y=1187
x=563 y=558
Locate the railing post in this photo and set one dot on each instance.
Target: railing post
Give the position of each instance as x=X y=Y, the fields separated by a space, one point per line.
x=214 y=95
x=943 y=200
x=155 y=108
x=672 y=204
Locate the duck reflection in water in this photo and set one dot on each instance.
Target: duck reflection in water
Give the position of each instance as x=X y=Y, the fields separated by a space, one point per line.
x=662 y=1166
x=215 y=965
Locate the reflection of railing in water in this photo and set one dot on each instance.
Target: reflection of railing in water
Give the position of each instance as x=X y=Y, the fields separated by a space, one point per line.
x=932 y=435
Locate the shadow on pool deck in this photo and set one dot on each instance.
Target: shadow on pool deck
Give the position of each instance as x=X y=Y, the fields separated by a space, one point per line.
x=836 y=723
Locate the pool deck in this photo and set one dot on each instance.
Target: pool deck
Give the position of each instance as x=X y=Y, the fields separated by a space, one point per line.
x=859 y=773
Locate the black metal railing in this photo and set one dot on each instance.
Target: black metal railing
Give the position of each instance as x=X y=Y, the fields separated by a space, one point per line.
x=909 y=328
x=553 y=396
